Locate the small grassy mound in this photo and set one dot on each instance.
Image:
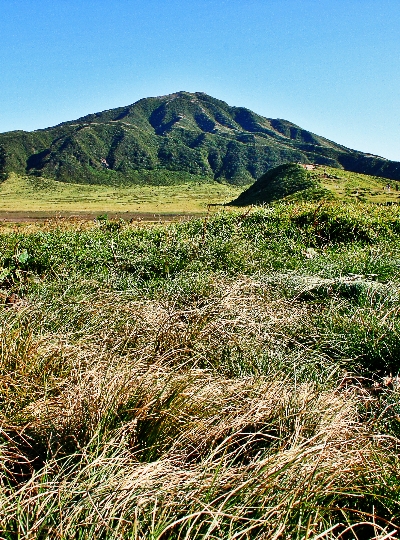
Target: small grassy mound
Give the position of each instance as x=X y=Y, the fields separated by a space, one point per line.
x=277 y=183
x=293 y=183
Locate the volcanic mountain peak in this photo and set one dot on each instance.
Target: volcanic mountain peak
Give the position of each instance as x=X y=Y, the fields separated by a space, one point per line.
x=173 y=138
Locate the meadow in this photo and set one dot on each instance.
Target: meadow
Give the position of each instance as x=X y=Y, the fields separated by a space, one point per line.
x=32 y=196
x=29 y=198
x=234 y=376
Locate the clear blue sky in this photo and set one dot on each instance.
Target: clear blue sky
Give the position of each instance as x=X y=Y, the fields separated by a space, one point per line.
x=330 y=66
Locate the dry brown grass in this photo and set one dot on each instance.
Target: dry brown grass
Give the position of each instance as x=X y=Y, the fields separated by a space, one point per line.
x=153 y=419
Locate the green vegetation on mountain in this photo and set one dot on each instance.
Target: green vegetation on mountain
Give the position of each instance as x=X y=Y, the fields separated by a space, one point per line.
x=173 y=139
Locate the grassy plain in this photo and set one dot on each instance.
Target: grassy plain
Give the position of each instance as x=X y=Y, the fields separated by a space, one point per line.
x=229 y=377
x=27 y=194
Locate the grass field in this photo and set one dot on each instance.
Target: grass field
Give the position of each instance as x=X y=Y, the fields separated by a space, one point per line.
x=24 y=197
x=48 y=197
x=350 y=186
x=229 y=377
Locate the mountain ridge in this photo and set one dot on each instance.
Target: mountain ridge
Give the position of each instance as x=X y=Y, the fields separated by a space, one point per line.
x=167 y=139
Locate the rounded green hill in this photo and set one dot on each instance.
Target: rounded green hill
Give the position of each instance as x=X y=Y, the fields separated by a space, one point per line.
x=275 y=184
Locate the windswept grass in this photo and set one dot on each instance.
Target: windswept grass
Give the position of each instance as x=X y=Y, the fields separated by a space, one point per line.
x=221 y=378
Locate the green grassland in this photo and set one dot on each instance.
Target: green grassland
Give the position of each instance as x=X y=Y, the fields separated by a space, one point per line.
x=234 y=376
x=23 y=194
x=357 y=187
x=27 y=194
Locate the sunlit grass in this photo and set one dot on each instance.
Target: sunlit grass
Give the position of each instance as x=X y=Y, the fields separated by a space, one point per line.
x=358 y=187
x=233 y=376
x=26 y=194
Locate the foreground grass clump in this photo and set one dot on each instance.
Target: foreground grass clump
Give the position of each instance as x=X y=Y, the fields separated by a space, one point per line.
x=229 y=377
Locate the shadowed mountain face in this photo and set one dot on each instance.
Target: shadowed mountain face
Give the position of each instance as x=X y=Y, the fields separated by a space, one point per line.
x=168 y=139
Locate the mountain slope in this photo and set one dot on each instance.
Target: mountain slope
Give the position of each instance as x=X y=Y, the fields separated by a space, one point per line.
x=170 y=138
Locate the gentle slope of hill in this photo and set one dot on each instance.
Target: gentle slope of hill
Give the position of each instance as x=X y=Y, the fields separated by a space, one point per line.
x=291 y=181
x=173 y=139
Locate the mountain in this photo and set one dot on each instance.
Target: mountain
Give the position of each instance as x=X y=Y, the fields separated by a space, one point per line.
x=171 y=139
